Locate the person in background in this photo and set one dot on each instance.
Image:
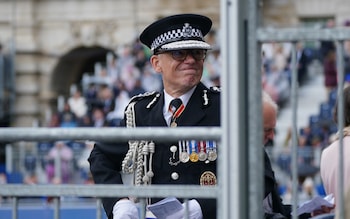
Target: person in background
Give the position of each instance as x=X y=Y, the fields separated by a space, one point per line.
x=330 y=72
x=179 y=50
x=77 y=104
x=64 y=153
x=83 y=163
x=330 y=170
x=272 y=204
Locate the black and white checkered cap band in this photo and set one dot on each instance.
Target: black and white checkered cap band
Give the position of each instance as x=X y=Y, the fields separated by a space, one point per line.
x=173 y=35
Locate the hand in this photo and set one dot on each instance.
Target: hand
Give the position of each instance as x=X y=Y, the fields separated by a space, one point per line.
x=322 y=210
x=125 y=209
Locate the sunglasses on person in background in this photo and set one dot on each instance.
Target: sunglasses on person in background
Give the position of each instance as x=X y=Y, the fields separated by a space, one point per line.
x=180 y=55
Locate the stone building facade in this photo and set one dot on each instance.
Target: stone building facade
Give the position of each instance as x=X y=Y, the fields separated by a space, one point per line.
x=55 y=40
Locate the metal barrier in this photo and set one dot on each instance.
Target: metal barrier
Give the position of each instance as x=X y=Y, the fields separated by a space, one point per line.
x=338 y=35
x=240 y=174
x=99 y=191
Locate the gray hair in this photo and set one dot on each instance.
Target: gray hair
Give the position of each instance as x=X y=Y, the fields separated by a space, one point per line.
x=267 y=99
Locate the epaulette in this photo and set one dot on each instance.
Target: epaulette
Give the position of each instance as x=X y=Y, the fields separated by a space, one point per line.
x=215 y=89
x=139 y=97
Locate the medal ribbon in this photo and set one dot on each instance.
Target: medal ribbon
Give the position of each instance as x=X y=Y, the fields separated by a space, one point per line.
x=176 y=107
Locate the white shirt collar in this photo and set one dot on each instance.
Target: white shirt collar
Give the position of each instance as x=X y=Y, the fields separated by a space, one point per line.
x=167 y=99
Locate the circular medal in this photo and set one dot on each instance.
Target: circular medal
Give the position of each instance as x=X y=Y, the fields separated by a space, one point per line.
x=194 y=157
x=173 y=124
x=212 y=155
x=202 y=156
x=208 y=178
x=184 y=157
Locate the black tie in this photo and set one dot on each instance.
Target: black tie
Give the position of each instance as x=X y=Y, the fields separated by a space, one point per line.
x=176 y=108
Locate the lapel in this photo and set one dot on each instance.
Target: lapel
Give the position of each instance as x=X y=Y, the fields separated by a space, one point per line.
x=193 y=112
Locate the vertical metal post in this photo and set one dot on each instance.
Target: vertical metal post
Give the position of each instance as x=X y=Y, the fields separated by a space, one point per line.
x=340 y=72
x=9 y=158
x=22 y=153
x=232 y=180
x=15 y=208
x=58 y=164
x=255 y=141
x=187 y=213
x=294 y=92
x=142 y=206
x=2 y=84
x=98 y=208
x=57 y=203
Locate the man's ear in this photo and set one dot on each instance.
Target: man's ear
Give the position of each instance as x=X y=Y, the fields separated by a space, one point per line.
x=156 y=63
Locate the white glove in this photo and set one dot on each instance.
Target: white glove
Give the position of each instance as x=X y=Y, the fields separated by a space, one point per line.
x=125 y=209
x=194 y=211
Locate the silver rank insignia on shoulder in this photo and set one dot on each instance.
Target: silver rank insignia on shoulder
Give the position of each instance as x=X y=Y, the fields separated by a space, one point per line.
x=205 y=98
x=215 y=88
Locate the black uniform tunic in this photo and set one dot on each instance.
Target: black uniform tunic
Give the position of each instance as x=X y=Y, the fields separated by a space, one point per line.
x=203 y=109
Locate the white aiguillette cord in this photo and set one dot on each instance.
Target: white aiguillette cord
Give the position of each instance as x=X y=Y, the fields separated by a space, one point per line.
x=136 y=157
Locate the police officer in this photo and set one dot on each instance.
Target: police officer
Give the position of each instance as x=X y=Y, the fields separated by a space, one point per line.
x=179 y=51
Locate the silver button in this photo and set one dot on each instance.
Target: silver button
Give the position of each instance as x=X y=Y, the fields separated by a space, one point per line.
x=175 y=176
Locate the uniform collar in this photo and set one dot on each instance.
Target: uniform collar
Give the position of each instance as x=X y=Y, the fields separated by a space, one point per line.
x=185 y=98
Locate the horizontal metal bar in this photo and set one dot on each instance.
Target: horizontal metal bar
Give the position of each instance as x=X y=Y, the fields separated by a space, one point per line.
x=109 y=134
x=159 y=191
x=301 y=34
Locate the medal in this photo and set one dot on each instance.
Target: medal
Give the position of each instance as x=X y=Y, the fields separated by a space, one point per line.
x=184 y=157
x=193 y=155
x=173 y=124
x=212 y=155
x=208 y=178
x=176 y=107
x=202 y=156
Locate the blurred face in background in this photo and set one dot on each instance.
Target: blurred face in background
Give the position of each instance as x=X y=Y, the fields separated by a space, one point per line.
x=269 y=119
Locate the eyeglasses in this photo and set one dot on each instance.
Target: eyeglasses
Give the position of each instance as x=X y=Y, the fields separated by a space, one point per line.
x=180 y=55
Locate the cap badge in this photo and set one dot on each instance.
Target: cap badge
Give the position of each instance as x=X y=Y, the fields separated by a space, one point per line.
x=187 y=30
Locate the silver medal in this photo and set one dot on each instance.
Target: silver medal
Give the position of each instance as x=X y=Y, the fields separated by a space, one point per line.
x=184 y=157
x=212 y=155
x=202 y=156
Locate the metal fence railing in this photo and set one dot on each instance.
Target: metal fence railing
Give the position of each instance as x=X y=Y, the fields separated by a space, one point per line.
x=99 y=191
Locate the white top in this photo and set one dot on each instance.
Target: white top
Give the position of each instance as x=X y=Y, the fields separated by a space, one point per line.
x=329 y=167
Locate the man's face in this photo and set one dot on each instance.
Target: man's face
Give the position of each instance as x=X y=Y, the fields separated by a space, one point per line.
x=269 y=114
x=179 y=76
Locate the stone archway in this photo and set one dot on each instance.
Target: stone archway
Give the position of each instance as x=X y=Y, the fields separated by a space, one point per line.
x=71 y=67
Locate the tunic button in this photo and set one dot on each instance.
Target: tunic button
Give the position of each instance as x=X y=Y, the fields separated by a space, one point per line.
x=173 y=148
x=175 y=176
